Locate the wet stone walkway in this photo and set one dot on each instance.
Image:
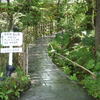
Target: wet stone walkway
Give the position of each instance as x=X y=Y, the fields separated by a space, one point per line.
x=48 y=81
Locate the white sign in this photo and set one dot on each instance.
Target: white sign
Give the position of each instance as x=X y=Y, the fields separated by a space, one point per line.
x=4 y=1
x=10 y=50
x=11 y=38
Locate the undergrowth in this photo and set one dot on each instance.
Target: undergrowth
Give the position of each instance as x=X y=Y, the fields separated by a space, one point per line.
x=12 y=87
x=80 y=49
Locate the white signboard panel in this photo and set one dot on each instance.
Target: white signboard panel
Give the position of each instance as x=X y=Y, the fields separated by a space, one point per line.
x=10 y=50
x=11 y=38
x=5 y=1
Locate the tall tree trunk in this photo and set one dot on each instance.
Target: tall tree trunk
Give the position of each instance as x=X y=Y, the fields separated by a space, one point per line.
x=58 y=15
x=89 y=13
x=97 y=37
x=10 y=17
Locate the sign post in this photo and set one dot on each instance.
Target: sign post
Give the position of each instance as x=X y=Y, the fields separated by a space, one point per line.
x=9 y=40
x=10 y=57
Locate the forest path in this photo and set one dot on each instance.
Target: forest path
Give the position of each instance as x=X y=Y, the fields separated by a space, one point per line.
x=48 y=81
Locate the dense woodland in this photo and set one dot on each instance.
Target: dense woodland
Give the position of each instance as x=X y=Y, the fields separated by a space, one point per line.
x=75 y=49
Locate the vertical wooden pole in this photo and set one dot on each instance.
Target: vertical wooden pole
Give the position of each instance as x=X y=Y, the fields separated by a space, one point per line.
x=24 y=59
x=10 y=57
x=27 y=60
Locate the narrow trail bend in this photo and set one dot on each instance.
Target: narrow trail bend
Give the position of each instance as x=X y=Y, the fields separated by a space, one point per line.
x=48 y=81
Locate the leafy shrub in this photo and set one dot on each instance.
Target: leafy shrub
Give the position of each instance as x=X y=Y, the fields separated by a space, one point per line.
x=12 y=87
x=97 y=67
x=73 y=77
x=93 y=86
x=82 y=53
x=67 y=70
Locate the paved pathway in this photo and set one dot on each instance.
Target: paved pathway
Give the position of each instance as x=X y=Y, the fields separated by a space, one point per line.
x=48 y=81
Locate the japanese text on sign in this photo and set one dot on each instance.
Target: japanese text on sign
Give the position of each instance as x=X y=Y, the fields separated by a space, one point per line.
x=9 y=50
x=11 y=38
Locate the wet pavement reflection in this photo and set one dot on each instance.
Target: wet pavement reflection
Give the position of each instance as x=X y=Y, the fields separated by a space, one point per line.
x=48 y=81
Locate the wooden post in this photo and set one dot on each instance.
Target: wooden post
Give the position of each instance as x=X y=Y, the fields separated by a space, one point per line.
x=10 y=57
x=27 y=60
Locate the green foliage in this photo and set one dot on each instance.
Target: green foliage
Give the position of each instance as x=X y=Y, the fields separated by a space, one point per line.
x=82 y=54
x=75 y=19
x=12 y=87
x=60 y=42
x=77 y=43
x=67 y=70
x=73 y=77
x=93 y=86
x=62 y=39
x=56 y=45
x=90 y=64
x=71 y=18
x=89 y=41
x=1 y=74
x=97 y=67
